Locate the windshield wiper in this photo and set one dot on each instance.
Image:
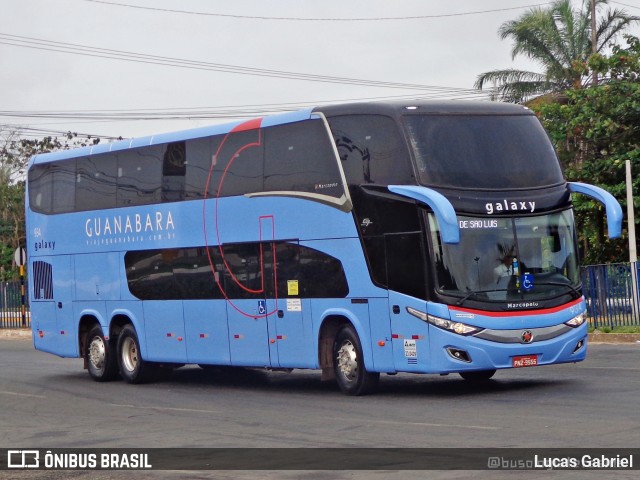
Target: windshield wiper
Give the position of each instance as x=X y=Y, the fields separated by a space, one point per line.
x=475 y=292
x=574 y=290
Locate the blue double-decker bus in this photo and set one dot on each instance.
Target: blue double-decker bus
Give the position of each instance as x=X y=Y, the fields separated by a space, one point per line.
x=357 y=239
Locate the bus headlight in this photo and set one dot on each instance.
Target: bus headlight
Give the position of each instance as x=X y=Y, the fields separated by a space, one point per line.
x=577 y=320
x=455 y=327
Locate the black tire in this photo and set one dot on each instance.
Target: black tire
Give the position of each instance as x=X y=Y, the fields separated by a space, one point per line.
x=348 y=364
x=100 y=356
x=478 y=375
x=133 y=368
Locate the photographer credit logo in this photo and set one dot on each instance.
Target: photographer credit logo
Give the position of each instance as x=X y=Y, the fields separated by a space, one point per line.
x=23 y=459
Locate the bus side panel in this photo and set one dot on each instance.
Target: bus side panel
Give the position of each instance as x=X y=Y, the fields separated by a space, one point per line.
x=66 y=325
x=248 y=333
x=207 y=332
x=164 y=331
x=97 y=276
x=43 y=325
x=290 y=334
x=411 y=350
x=52 y=305
x=381 y=344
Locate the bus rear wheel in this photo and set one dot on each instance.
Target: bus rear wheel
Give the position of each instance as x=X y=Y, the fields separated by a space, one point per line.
x=478 y=375
x=133 y=368
x=348 y=364
x=100 y=356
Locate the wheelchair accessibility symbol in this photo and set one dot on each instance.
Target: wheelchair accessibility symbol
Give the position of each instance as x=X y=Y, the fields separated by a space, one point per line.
x=262 y=307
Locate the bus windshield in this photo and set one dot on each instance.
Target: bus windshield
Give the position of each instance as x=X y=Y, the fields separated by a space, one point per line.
x=508 y=259
x=482 y=152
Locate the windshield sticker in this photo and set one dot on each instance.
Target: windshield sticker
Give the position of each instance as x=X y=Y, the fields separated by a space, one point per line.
x=292 y=287
x=527 y=282
x=510 y=206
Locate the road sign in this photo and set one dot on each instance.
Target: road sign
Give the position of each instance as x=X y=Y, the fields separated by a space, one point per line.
x=20 y=256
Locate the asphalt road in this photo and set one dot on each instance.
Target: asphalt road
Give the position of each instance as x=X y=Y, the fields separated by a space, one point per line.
x=49 y=402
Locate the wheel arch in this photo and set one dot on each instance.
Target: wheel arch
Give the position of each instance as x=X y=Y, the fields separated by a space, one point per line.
x=88 y=320
x=331 y=323
x=121 y=318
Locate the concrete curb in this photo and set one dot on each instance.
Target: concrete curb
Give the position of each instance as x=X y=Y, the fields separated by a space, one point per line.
x=614 y=338
x=19 y=333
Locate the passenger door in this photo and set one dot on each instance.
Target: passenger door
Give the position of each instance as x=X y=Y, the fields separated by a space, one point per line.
x=247 y=310
x=290 y=315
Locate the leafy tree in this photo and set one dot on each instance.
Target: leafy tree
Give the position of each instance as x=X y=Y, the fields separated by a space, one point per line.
x=15 y=153
x=559 y=39
x=594 y=133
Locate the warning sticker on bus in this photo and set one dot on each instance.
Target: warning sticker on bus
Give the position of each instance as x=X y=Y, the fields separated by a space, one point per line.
x=410 y=349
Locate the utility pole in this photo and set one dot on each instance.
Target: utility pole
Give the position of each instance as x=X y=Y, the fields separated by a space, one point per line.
x=633 y=255
x=594 y=38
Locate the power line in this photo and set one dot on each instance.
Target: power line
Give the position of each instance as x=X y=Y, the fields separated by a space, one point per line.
x=626 y=5
x=84 y=50
x=192 y=113
x=302 y=19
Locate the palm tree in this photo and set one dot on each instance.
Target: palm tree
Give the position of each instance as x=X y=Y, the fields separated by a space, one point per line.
x=558 y=38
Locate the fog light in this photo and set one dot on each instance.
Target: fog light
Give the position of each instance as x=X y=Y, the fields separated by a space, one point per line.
x=458 y=354
x=579 y=345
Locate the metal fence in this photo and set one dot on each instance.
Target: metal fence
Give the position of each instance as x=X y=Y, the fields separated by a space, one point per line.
x=11 y=306
x=611 y=293
x=608 y=290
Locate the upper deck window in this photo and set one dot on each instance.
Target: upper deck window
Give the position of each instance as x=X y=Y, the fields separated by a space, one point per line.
x=498 y=152
x=292 y=157
x=371 y=149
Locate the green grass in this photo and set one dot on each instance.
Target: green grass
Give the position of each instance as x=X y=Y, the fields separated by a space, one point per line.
x=622 y=329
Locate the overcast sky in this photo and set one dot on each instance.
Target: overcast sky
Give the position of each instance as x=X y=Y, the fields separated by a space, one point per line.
x=449 y=46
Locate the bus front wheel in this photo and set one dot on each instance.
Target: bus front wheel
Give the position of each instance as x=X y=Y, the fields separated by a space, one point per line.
x=100 y=356
x=348 y=364
x=132 y=367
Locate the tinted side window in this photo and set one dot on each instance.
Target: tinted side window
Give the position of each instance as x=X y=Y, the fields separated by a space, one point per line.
x=51 y=187
x=96 y=182
x=199 y=154
x=174 y=169
x=371 y=150
x=238 y=165
x=245 y=275
x=171 y=274
x=405 y=264
x=311 y=273
x=139 y=176
x=244 y=271
x=299 y=157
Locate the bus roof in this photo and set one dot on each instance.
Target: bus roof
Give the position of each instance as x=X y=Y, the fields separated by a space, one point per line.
x=435 y=107
x=219 y=129
x=382 y=108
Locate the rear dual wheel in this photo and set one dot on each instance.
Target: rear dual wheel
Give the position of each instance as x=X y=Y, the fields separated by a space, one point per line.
x=100 y=356
x=133 y=368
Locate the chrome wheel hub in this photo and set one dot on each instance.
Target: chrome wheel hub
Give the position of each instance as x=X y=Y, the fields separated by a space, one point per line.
x=347 y=361
x=97 y=353
x=129 y=354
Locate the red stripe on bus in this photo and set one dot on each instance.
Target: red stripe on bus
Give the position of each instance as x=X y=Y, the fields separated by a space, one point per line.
x=248 y=125
x=517 y=312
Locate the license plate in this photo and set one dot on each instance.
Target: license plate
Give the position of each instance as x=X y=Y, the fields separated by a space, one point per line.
x=525 y=361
